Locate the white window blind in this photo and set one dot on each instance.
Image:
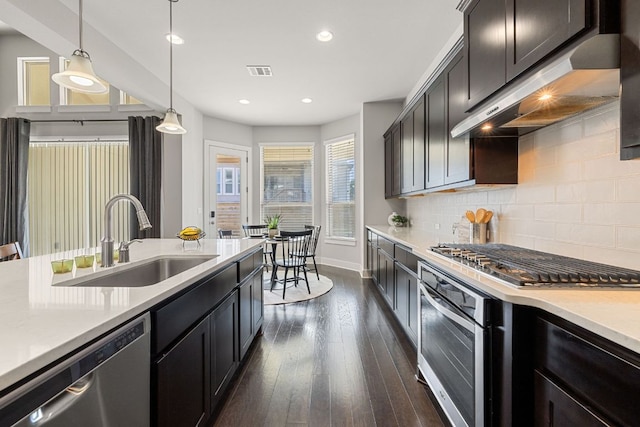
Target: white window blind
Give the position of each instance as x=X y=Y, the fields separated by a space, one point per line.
x=341 y=188
x=286 y=177
x=69 y=184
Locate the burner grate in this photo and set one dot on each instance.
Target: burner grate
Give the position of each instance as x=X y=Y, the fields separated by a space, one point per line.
x=527 y=267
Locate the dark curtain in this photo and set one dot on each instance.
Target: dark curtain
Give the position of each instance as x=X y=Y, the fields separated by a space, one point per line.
x=14 y=159
x=145 y=165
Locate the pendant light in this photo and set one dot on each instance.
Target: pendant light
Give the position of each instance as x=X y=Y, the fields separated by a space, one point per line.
x=170 y=124
x=79 y=75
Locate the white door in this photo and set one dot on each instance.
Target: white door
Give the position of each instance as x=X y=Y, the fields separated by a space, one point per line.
x=226 y=189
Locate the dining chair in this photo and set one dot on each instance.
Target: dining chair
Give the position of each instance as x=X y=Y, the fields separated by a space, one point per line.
x=311 y=253
x=256 y=231
x=225 y=234
x=290 y=256
x=10 y=251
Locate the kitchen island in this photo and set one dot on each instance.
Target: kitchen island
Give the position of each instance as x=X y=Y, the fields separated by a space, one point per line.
x=42 y=320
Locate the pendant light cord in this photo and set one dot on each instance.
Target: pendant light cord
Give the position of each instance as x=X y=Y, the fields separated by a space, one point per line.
x=171 y=53
x=80 y=23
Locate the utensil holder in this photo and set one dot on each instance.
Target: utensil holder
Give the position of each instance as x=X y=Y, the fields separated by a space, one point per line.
x=478 y=233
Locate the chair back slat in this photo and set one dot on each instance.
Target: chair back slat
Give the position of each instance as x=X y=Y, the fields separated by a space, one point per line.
x=254 y=230
x=293 y=249
x=10 y=251
x=314 y=238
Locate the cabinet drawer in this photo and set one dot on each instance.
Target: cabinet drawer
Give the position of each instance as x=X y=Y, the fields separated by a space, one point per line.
x=173 y=319
x=386 y=246
x=248 y=265
x=591 y=370
x=408 y=260
x=555 y=407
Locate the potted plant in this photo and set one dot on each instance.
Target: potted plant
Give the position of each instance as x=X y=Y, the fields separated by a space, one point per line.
x=272 y=224
x=399 y=220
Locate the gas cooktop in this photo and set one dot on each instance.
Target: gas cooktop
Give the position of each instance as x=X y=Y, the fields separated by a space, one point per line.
x=526 y=267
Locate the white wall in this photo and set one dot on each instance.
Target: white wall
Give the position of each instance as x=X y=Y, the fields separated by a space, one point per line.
x=334 y=254
x=376 y=117
x=574 y=197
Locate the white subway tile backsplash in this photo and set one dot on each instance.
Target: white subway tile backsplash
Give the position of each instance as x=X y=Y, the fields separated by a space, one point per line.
x=561 y=213
x=572 y=192
x=628 y=189
x=628 y=238
x=535 y=193
x=594 y=235
x=575 y=196
x=600 y=191
x=625 y=214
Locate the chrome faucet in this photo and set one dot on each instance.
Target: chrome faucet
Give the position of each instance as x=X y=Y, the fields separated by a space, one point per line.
x=107 y=239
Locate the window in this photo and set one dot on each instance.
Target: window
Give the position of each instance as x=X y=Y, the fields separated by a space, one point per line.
x=341 y=188
x=228 y=181
x=126 y=99
x=286 y=180
x=70 y=97
x=69 y=183
x=34 y=87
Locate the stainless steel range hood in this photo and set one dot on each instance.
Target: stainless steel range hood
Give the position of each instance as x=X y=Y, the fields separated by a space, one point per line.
x=585 y=77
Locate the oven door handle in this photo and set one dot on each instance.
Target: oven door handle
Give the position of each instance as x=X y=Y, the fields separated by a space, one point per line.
x=449 y=314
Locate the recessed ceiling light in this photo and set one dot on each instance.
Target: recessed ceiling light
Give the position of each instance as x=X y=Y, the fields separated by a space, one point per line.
x=324 y=36
x=244 y=101
x=174 y=38
x=306 y=100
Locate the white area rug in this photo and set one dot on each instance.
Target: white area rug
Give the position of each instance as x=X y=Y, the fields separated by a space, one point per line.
x=293 y=293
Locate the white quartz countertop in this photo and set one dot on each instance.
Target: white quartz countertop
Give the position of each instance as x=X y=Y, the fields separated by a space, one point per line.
x=41 y=320
x=611 y=313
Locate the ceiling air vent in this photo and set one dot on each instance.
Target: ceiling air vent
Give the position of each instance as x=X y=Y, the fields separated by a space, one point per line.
x=259 y=70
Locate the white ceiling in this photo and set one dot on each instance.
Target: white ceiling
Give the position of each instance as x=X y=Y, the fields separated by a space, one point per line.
x=380 y=50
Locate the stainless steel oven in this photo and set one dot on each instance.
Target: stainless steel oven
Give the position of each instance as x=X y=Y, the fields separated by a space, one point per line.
x=454 y=346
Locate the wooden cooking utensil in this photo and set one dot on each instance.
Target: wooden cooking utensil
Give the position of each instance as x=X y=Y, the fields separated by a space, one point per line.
x=487 y=217
x=470 y=216
x=480 y=213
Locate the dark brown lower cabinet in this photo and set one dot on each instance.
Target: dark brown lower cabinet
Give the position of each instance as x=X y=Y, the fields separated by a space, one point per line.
x=196 y=342
x=555 y=407
x=406 y=301
x=397 y=280
x=251 y=310
x=602 y=377
x=224 y=351
x=386 y=277
x=182 y=386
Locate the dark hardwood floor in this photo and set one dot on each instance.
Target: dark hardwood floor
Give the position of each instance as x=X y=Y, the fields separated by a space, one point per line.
x=336 y=360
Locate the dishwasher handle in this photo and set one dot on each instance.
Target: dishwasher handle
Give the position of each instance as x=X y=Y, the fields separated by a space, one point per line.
x=63 y=401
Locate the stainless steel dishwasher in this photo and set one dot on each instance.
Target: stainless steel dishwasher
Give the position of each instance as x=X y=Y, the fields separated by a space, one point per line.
x=105 y=384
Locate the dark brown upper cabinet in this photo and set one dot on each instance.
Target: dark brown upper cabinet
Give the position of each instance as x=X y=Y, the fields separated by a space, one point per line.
x=536 y=28
x=436 y=125
x=431 y=160
x=485 y=49
x=507 y=38
x=393 y=162
x=457 y=152
x=413 y=148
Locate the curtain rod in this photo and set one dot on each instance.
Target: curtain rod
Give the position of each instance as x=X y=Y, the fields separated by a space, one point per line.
x=78 y=121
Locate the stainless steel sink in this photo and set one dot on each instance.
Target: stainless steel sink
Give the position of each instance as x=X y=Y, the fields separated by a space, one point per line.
x=145 y=274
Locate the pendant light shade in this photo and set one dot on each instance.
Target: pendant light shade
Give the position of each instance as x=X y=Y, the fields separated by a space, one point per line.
x=170 y=123
x=79 y=75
